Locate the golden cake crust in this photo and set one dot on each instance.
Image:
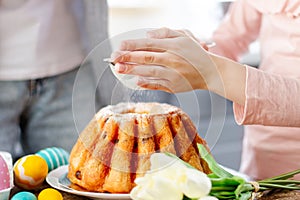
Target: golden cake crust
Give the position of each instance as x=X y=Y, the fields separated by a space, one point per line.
x=115 y=147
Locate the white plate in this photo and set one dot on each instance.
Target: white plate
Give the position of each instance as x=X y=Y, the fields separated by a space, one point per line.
x=57 y=179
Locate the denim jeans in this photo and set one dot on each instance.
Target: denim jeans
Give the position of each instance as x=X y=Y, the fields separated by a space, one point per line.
x=36 y=114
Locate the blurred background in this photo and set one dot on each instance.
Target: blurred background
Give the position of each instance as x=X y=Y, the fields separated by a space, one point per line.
x=216 y=121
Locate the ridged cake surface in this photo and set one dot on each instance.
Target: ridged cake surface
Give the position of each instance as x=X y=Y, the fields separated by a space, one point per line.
x=115 y=147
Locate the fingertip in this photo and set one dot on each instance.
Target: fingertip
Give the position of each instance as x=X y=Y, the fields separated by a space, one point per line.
x=204 y=46
x=147 y=84
x=142 y=82
x=118 y=56
x=120 y=68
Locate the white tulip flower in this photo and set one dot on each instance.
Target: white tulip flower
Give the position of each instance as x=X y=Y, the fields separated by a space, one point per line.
x=197 y=184
x=170 y=179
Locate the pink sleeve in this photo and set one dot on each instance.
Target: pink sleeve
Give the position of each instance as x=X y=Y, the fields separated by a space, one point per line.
x=271 y=100
x=239 y=28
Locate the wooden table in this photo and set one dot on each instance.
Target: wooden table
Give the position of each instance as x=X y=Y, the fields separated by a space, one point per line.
x=281 y=195
x=274 y=195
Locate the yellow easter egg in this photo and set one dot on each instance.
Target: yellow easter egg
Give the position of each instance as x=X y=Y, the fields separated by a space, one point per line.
x=30 y=171
x=50 y=194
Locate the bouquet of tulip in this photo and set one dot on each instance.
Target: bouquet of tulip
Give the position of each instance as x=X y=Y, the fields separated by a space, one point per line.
x=227 y=186
x=170 y=178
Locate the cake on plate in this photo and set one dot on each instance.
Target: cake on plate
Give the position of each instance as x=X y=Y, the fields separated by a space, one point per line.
x=116 y=145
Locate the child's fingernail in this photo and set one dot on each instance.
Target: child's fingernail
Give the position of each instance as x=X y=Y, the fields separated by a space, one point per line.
x=120 y=68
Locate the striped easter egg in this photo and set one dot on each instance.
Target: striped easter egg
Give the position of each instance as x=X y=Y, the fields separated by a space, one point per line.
x=54 y=157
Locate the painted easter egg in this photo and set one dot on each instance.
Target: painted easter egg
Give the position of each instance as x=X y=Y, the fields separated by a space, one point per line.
x=30 y=171
x=24 y=196
x=4 y=174
x=54 y=157
x=50 y=194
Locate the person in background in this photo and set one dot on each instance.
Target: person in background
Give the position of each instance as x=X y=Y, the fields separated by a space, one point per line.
x=42 y=45
x=52 y=75
x=261 y=97
x=267 y=150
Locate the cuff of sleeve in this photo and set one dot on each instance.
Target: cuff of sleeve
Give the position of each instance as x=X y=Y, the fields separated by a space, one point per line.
x=242 y=113
x=264 y=105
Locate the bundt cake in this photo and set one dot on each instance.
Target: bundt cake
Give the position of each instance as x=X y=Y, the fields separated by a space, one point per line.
x=116 y=145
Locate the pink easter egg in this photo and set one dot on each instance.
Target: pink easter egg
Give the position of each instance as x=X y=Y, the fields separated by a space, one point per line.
x=4 y=175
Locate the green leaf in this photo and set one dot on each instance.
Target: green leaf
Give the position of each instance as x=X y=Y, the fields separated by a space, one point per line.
x=284 y=176
x=213 y=165
x=279 y=186
x=222 y=194
x=212 y=175
x=243 y=188
x=245 y=196
x=281 y=182
x=233 y=181
x=223 y=188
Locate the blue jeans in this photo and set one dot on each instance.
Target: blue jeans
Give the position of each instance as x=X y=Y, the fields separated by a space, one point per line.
x=36 y=114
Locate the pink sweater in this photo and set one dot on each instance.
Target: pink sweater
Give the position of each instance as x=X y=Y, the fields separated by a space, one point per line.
x=270 y=100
